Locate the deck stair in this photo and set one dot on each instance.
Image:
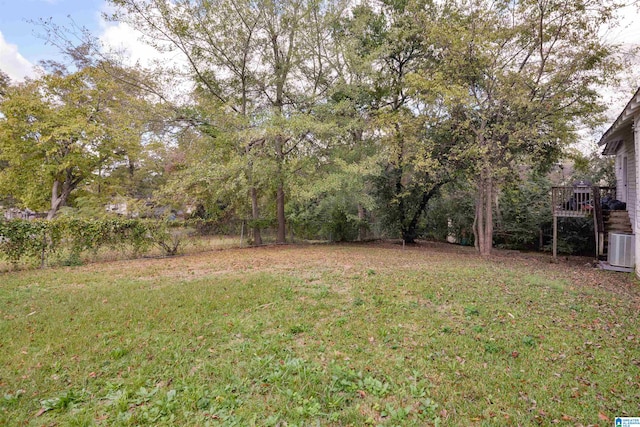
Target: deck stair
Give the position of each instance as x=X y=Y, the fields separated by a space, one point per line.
x=584 y=200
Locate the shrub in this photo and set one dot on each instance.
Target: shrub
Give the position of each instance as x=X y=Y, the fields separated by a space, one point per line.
x=21 y=239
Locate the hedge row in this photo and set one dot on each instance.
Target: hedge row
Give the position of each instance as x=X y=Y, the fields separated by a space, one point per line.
x=22 y=239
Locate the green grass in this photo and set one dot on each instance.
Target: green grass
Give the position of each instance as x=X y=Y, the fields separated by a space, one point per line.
x=326 y=335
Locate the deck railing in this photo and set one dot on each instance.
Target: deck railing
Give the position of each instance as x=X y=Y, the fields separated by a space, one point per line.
x=579 y=201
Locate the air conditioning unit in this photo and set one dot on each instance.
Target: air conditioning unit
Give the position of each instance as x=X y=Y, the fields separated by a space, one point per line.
x=621 y=250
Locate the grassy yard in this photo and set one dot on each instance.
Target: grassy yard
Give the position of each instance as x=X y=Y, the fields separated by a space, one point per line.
x=320 y=335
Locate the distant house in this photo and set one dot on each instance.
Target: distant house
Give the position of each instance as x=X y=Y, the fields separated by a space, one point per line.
x=119 y=208
x=622 y=140
x=15 y=213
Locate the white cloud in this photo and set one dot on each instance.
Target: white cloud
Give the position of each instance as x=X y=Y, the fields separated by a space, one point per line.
x=13 y=63
x=120 y=36
x=130 y=44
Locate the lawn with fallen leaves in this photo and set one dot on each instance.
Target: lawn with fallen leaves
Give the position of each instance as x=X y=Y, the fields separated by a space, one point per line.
x=330 y=335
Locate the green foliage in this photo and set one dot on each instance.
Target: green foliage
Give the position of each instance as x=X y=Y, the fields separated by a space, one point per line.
x=322 y=115
x=593 y=167
x=575 y=236
x=524 y=213
x=63 y=130
x=167 y=237
x=90 y=235
x=499 y=80
x=64 y=402
x=22 y=240
x=334 y=205
x=451 y=214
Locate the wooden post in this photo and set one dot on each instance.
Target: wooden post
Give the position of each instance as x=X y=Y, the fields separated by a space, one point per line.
x=554 y=242
x=598 y=222
x=555 y=236
x=597 y=233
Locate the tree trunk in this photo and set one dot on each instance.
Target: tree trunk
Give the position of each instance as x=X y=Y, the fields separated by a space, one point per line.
x=255 y=215
x=58 y=200
x=280 y=217
x=362 y=227
x=478 y=220
x=281 y=237
x=253 y=193
x=488 y=217
x=483 y=221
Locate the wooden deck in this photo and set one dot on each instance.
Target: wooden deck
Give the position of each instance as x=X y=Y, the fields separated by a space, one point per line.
x=579 y=202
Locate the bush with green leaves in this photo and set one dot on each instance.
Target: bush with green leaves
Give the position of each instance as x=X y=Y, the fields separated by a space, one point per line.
x=451 y=214
x=524 y=212
x=91 y=235
x=19 y=239
x=22 y=240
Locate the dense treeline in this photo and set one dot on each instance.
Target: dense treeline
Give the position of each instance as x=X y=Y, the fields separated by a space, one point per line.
x=405 y=117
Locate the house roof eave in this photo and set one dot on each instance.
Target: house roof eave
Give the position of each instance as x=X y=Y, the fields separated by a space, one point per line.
x=611 y=138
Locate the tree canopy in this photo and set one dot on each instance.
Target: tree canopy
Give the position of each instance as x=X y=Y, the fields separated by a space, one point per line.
x=299 y=108
x=66 y=130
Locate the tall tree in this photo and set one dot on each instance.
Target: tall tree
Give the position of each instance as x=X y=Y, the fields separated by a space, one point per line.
x=4 y=83
x=256 y=60
x=518 y=78
x=60 y=131
x=383 y=46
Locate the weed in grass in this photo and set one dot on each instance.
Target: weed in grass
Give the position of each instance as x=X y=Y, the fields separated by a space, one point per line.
x=418 y=391
x=118 y=353
x=11 y=398
x=288 y=293
x=358 y=302
x=323 y=292
x=298 y=329
x=529 y=341
x=471 y=311
x=341 y=321
x=477 y=329
x=63 y=402
x=396 y=415
x=374 y=386
x=428 y=410
x=379 y=300
x=303 y=406
x=118 y=400
x=491 y=348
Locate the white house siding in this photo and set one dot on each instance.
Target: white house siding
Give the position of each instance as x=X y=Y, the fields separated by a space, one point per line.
x=635 y=220
x=627 y=149
x=626 y=129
